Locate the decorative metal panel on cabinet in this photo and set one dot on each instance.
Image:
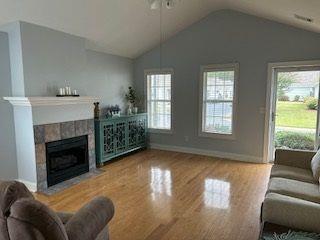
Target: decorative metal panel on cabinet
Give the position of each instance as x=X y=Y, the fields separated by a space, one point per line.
x=119 y=135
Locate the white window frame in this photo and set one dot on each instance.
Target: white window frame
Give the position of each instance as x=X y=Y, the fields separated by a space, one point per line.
x=218 y=67
x=158 y=71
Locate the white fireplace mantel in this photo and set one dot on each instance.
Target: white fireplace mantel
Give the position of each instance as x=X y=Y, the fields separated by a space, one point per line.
x=50 y=101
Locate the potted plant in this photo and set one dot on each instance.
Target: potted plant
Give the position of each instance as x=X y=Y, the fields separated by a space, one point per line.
x=131 y=98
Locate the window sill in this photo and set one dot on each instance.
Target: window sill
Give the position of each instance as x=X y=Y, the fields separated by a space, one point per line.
x=161 y=131
x=217 y=135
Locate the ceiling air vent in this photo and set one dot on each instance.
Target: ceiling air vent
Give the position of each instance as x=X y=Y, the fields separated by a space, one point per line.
x=302 y=18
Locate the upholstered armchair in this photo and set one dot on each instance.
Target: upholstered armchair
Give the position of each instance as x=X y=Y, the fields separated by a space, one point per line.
x=23 y=217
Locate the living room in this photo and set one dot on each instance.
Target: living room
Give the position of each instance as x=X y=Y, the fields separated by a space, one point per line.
x=159 y=119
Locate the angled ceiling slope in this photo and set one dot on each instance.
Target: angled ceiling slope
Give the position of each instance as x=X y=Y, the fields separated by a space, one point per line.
x=129 y=28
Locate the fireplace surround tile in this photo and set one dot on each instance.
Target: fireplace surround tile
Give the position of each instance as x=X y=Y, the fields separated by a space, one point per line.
x=38 y=134
x=42 y=176
x=52 y=132
x=40 y=153
x=41 y=173
x=67 y=130
x=90 y=126
x=92 y=159
x=81 y=127
x=91 y=142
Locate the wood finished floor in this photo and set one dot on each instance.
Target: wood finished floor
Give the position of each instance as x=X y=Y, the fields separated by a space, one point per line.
x=160 y=195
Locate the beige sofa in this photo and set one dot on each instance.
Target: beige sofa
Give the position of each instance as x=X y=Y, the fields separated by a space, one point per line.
x=293 y=196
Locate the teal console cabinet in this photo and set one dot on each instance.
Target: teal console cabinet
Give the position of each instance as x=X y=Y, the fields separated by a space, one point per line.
x=119 y=135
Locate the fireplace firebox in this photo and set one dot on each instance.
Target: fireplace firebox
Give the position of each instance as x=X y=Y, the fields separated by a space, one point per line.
x=66 y=159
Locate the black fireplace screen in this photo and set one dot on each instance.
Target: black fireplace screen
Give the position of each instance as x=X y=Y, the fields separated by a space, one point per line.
x=66 y=159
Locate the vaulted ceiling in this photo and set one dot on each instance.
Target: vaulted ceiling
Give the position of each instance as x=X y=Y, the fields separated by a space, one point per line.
x=129 y=28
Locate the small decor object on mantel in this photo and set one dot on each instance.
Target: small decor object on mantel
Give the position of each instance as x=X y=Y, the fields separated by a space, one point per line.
x=67 y=92
x=131 y=98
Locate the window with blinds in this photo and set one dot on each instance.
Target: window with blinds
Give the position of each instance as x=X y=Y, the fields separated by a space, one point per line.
x=218 y=99
x=159 y=99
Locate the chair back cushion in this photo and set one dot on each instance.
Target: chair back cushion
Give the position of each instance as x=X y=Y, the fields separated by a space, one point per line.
x=315 y=166
x=32 y=218
x=10 y=192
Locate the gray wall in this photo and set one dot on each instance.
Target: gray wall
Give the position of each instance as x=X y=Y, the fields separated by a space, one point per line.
x=8 y=164
x=223 y=37
x=50 y=57
x=108 y=76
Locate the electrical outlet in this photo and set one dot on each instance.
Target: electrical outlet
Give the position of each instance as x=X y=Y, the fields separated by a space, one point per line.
x=186 y=138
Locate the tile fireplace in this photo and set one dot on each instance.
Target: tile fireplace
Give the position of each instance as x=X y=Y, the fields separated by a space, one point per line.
x=54 y=140
x=63 y=150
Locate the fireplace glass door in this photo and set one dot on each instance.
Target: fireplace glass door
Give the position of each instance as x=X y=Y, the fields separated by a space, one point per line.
x=66 y=159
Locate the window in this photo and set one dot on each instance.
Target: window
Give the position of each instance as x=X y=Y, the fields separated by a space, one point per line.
x=159 y=99
x=218 y=84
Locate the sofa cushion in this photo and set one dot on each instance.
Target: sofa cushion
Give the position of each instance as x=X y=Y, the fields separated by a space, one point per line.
x=291 y=212
x=294 y=173
x=293 y=188
x=315 y=166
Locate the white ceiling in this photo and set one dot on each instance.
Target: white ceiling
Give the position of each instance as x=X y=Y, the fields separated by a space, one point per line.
x=129 y=28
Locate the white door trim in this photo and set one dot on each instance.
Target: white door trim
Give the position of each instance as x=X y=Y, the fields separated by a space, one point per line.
x=270 y=94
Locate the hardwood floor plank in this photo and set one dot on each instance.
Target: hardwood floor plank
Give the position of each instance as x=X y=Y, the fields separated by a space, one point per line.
x=165 y=195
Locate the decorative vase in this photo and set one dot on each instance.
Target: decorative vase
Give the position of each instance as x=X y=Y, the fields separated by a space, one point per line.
x=135 y=110
x=130 y=107
x=96 y=110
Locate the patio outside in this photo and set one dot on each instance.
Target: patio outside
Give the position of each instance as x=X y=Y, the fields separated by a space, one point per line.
x=296 y=112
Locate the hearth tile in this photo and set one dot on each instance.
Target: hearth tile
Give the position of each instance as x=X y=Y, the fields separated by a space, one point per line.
x=81 y=127
x=41 y=153
x=91 y=142
x=68 y=183
x=67 y=130
x=52 y=132
x=90 y=126
x=38 y=134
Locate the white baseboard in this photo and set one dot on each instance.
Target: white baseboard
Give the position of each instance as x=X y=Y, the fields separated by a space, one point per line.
x=30 y=185
x=231 y=156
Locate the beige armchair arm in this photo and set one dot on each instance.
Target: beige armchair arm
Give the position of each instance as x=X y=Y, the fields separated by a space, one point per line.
x=294 y=158
x=90 y=220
